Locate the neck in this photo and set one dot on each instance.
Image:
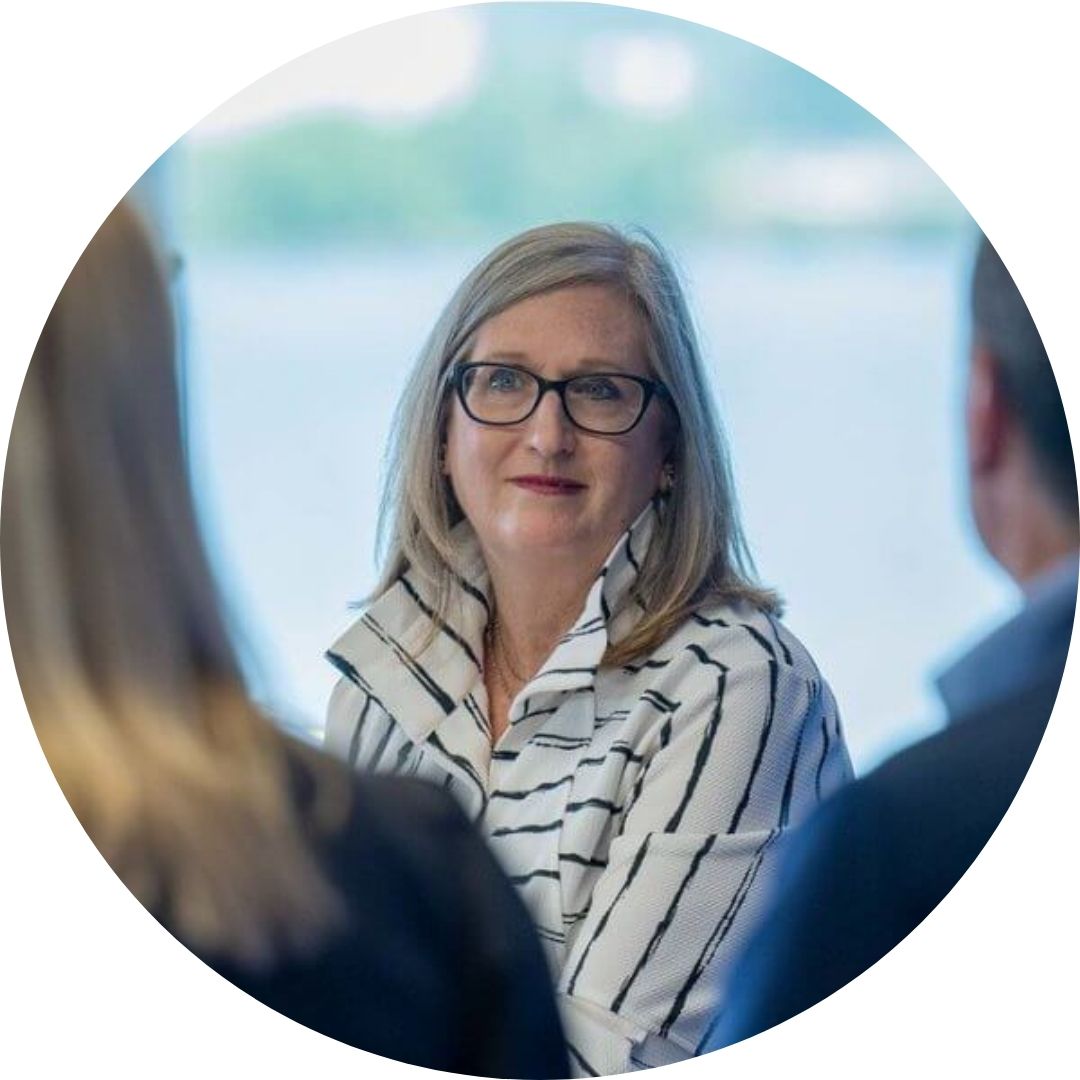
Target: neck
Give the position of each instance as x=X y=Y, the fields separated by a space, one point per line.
x=535 y=611
x=1022 y=526
x=1026 y=558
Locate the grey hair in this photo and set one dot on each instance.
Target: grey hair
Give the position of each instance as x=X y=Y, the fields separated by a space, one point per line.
x=1005 y=328
x=698 y=551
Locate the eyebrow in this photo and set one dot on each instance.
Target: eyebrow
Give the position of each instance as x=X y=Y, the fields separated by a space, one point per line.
x=586 y=365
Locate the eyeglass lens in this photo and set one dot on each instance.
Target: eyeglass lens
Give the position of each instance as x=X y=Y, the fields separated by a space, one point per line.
x=506 y=395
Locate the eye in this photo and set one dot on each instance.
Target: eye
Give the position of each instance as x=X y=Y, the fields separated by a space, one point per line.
x=597 y=388
x=502 y=380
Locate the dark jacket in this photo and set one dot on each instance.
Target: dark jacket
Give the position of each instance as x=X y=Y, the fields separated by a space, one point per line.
x=439 y=965
x=880 y=856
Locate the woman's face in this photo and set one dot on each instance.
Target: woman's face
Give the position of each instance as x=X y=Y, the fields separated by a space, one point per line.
x=543 y=487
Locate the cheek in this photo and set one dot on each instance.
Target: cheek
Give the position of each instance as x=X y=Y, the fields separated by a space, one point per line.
x=635 y=472
x=458 y=442
x=649 y=454
x=470 y=455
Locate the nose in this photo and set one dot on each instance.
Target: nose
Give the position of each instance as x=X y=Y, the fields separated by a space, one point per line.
x=550 y=432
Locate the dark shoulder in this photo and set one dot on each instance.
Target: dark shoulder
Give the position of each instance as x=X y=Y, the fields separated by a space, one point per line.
x=412 y=817
x=972 y=767
x=919 y=820
x=878 y=856
x=412 y=831
x=436 y=963
x=406 y=850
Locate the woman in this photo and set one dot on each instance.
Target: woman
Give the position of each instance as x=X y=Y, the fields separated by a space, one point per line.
x=370 y=913
x=567 y=635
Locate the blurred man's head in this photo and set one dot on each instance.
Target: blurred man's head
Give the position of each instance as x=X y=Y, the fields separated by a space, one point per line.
x=1022 y=475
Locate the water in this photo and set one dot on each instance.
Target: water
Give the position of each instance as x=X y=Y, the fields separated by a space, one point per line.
x=839 y=373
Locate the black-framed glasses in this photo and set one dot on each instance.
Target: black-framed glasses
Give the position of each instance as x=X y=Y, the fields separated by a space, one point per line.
x=601 y=403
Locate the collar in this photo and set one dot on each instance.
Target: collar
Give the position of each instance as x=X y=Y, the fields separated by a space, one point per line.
x=420 y=687
x=1021 y=651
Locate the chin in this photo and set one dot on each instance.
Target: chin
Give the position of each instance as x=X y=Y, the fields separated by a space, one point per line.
x=546 y=541
x=545 y=536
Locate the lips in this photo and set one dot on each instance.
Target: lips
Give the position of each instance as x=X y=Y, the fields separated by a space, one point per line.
x=548 y=485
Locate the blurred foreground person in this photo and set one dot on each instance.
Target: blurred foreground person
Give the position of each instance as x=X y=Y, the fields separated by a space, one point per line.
x=369 y=912
x=878 y=858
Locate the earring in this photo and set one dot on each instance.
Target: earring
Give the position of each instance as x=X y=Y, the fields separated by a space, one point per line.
x=667 y=479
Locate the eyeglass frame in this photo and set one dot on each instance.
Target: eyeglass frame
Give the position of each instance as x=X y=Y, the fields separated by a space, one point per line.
x=651 y=388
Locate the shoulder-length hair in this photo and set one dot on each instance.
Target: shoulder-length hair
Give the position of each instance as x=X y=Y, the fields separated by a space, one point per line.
x=118 y=635
x=698 y=552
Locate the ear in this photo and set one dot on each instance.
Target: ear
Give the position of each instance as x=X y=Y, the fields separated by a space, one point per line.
x=987 y=415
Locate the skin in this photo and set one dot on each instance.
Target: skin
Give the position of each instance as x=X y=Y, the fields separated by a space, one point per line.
x=1018 y=519
x=543 y=550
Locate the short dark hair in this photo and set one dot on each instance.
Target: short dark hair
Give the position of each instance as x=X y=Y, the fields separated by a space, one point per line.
x=1004 y=326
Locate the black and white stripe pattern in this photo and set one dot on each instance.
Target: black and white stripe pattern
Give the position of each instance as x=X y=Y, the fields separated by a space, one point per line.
x=637 y=809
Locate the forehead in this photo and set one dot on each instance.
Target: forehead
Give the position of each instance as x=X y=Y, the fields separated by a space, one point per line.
x=580 y=325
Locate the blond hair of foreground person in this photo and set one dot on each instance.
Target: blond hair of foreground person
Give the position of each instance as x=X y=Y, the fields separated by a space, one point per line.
x=359 y=909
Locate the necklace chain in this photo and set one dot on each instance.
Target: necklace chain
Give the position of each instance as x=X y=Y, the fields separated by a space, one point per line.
x=505 y=651
x=500 y=662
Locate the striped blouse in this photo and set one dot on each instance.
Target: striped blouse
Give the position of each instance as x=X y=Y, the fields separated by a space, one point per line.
x=638 y=809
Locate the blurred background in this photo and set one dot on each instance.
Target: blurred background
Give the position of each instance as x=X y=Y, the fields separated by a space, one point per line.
x=323 y=216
